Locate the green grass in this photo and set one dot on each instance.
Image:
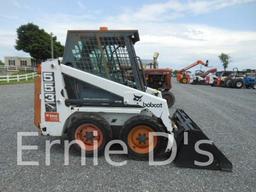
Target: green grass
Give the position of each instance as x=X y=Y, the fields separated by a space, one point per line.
x=15 y=82
x=21 y=72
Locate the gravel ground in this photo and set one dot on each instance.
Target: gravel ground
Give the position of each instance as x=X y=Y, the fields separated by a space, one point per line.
x=227 y=116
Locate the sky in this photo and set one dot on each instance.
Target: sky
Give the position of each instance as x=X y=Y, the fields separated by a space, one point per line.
x=181 y=31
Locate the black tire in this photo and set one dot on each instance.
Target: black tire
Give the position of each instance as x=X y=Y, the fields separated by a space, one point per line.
x=184 y=81
x=169 y=97
x=238 y=83
x=228 y=83
x=195 y=81
x=214 y=84
x=232 y=84
x=142 y=120
x=92 y=119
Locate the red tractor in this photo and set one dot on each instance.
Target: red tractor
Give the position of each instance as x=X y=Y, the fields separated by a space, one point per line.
x=160 y=79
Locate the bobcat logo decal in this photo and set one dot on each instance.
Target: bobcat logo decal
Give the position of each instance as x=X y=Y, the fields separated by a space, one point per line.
x=137 y=98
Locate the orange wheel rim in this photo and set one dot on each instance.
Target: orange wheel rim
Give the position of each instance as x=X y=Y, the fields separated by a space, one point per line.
x=139 y=141
x=90 y=135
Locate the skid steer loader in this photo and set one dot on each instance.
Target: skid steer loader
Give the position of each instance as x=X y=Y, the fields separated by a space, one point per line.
x=98 y=93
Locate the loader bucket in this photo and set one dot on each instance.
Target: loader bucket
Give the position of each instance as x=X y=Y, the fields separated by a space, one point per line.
x=194 y=149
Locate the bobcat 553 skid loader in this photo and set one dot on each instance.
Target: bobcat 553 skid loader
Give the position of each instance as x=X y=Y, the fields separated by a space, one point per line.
x=98 y=93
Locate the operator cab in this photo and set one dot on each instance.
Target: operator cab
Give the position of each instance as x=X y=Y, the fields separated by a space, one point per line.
x=105 y=53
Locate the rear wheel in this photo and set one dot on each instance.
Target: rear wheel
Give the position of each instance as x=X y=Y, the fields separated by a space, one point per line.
x=228 y=83
x=92 y=131
x=254 y=86
x=135 y=134
x=195 y=81
x=169 y=97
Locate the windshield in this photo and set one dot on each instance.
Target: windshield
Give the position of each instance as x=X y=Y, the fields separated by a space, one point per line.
x=110 y=56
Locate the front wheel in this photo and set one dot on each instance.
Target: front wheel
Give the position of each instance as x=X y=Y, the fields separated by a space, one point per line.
x=135 y=134
x=169 y=97
x=239 y=83
x=184 y=81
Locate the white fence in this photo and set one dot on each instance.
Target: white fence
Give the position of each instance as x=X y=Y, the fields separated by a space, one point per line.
x=17 y=78
x=15 y=69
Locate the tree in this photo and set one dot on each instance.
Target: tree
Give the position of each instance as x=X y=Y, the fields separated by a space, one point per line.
x=225 y=59
x=1 y=63
x=35 y=41
x=174 y=73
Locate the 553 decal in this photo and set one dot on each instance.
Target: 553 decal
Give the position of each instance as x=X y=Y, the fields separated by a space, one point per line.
x=49 y=92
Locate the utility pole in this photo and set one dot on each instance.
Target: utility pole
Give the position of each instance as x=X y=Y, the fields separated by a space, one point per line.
x=155 y=63
x=52 y=51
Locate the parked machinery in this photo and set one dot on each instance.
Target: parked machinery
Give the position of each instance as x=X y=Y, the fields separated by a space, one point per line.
x=230 y=79
x=220 y=78
x=250 y=80
x=160 y=79
x=184 y=77
x=204 y=77
x=235 y=79
x=98 y=94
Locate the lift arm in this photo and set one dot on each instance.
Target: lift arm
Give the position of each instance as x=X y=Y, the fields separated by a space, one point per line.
x=194 y=64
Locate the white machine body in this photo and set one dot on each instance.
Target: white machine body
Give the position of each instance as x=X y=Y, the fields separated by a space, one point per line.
x=54 y=111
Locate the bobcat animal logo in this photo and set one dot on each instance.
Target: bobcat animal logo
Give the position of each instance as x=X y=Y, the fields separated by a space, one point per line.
x=137 y=98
